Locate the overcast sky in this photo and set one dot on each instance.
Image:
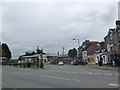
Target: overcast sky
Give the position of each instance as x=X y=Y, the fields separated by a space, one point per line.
x=53 y=25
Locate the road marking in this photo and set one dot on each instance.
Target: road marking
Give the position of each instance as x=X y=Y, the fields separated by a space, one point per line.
x=89 y=73
x=25 y=68
x=97 y=73
x=68 y=72
x=4 y=84
x=61 y=78
x=116 y=74
x=113 y=84
x=81 y=72
x=108 y=74
x=74 y=72
x=86 y=72
x=20 y=73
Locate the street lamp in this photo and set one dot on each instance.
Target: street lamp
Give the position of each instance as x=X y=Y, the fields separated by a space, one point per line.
x=78 y=41
x=78 y=46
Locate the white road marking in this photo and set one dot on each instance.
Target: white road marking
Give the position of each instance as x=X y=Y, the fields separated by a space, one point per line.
x=68 y=72
x=108 y=74
x=81 y=72
x=74 y=72
x=20 y=73
x=86 y=72
x=97 y=73
x=113 y=84
x=61 y=78
x=89 y=73
x=116 y=74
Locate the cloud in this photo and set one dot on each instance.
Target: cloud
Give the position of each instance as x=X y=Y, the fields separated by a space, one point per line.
x=53 y=25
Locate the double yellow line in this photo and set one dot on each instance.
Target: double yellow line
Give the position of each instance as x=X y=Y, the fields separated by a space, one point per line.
x=6 y=86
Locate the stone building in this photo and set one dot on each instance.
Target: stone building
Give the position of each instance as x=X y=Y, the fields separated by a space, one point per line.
x=112 y=42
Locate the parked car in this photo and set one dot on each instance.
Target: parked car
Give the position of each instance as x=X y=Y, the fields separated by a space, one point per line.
x=60 y=63
x=78 y=62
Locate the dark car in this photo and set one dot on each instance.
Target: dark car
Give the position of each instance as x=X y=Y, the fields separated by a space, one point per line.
x=78 y=62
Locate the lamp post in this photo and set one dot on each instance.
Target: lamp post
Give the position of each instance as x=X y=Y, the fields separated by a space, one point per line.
x=78 y=41
x=78 y=46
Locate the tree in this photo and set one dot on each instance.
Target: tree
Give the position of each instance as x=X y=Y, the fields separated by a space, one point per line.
x=39 y=51
x=0 y=50
x=29 y=53
x=20 y=57
x=72 y=53
x=6 y=51
x=33 y=53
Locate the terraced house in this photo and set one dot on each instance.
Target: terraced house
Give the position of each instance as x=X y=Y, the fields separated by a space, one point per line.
x=87 y=50
x=112 y=42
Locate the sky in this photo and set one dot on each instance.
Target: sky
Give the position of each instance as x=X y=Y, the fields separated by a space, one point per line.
x=53 y=25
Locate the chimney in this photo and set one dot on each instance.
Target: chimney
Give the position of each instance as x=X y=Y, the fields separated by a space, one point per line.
x=86 y=40
x=117 y=23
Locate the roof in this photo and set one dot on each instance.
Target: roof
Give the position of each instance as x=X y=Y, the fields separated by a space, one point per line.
x=111 y=30
x=3 y=57
x=87 y=44
x=32 y=56
x=92 y=48
x=51 y=54
x=117 y=22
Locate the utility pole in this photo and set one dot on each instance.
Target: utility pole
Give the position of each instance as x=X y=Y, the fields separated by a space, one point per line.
x=78 y=43
x=63 y=51
x=58 y=53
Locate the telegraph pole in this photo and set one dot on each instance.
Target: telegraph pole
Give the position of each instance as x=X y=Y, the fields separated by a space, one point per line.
x=63 y=51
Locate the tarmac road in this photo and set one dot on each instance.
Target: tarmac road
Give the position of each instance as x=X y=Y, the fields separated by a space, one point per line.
x=54 y=76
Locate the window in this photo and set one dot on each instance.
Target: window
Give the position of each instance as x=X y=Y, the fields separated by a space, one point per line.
x=119 y=31
x=112 y=49
x=118 y=43
x=83 y=46
x=111 y=36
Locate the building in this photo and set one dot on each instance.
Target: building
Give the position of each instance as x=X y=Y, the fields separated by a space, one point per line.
x=82 y=49
x=91 y=50
x=118 y=39
x=101 y=52
x=112 y=42
x=87 y=50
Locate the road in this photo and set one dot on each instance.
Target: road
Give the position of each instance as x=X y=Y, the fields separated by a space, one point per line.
x=54 y=76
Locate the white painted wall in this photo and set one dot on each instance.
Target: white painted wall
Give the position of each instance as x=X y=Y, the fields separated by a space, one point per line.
x=104 y=56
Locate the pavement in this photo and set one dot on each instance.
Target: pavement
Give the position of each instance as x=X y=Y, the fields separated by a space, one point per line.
x=92 y=66
x=104 y=67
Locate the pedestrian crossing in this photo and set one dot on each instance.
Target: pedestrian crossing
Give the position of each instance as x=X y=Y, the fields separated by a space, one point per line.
x=85 y=72
x=78 y=72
